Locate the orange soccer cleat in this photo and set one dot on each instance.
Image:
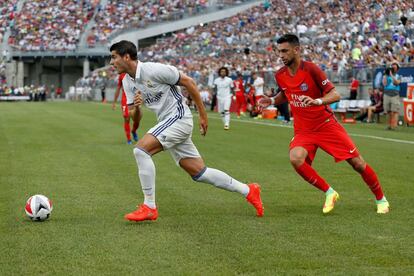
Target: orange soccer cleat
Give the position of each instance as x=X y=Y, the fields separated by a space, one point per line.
x=254 y=198
x=142 y=213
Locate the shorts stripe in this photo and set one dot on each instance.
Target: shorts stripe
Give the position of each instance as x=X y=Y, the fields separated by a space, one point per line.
x=178 y=97
x=162 y=127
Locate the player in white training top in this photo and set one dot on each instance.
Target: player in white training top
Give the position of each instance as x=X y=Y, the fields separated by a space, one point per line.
x=224 y=86
x=156 y=86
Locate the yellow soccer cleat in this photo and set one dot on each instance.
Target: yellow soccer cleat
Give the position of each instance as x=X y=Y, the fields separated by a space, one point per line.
x=383 y=207
x=330 y=202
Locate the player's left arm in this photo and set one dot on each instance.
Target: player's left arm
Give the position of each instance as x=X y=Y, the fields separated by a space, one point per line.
x=331 y=97
x=329 y=94
x=192 y=89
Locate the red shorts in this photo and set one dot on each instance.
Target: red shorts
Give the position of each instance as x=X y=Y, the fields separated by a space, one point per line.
x=125 y=111
x=331 y=138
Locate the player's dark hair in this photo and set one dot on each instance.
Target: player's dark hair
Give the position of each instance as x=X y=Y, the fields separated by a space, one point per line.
x=124 y=47
x=289 y=38
x=223 y=68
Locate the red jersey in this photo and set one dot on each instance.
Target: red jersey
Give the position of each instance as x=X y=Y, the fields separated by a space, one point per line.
x=239 y=87
x=310 y=81
x=123 y=99
x=354 y=84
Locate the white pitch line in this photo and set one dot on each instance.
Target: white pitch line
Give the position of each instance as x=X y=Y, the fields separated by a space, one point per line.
x=289 y=126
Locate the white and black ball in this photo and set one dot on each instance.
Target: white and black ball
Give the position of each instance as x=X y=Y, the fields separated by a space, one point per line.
x=38 y=207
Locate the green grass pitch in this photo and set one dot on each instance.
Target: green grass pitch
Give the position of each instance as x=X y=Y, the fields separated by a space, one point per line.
x=75 y=153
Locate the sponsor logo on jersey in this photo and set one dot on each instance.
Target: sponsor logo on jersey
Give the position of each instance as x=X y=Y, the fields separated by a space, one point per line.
x=304 y=87
x=324 y=82
x=153 y=99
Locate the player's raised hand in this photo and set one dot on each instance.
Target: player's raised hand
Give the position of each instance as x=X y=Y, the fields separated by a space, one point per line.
x=265 y=102
x=137 y=99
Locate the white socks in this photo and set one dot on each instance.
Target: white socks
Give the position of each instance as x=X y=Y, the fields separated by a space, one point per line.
x=146 y=173
x=221 y=180
x=227 y=118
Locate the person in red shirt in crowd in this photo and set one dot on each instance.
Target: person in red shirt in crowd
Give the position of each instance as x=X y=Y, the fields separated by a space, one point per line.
x=241 y=103
x=305 y=86
x=353 y=89
x=125 y=112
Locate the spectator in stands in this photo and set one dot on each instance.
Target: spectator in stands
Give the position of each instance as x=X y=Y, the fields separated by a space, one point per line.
x=391 y=82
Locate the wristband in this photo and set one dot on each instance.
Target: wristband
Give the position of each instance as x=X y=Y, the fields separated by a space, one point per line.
x=319 y=101
x=272 y=100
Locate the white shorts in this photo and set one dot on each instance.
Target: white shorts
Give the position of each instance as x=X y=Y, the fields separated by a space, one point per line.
x=175 y=136
x=223 y=104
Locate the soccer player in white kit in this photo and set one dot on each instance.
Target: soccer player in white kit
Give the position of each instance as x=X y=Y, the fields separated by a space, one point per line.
x=157 y=87
x=224 y=86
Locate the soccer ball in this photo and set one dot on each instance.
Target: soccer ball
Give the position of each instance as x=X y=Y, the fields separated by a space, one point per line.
x=38 y=207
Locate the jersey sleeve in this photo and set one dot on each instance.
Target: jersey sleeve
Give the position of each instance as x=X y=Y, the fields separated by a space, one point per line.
x=120 y=81
x=166 y=74
x=320 y=78
x=128 y=90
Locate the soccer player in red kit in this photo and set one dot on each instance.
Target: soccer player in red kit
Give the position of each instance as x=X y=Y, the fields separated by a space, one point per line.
x=305 y=86
x=240 y=97
x=125 y=112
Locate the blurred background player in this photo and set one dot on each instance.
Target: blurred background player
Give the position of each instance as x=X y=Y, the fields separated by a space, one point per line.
x=305 y=86
x=157 y=86
x=224 y=85
x=241 y=103
x=125 y=112
x=258 y=84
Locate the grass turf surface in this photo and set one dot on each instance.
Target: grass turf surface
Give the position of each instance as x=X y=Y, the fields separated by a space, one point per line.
x=75 y=154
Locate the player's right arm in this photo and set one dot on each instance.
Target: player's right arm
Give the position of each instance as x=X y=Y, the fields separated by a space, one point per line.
x=276 y=100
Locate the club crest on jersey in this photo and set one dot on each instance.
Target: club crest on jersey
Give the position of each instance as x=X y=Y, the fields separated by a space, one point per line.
x=304 y=87
x=149 y=84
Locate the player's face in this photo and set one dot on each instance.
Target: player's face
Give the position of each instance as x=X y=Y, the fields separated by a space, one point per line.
x=222 y=73
x=287 y=52
x=118 y=62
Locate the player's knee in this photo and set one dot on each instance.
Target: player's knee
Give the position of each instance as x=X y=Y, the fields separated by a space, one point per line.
x=141 y=154
x=358 y=164
x=199 y=173
x=296 y=159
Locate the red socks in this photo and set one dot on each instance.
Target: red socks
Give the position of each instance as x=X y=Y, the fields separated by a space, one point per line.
x=127 y=131
x=311 y=176
x=370 y=177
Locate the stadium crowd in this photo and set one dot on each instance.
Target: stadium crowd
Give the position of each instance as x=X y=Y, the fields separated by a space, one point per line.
x=340 y=36
x=128 y=14
x=7 y=15
x=53 y=25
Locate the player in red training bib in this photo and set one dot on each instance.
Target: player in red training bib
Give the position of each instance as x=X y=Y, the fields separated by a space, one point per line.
x=125 y=112
x=305 y=86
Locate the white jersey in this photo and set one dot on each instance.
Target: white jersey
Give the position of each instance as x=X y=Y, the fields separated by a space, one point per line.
x=158 y=85
x=224 y=86
x=258 y=86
